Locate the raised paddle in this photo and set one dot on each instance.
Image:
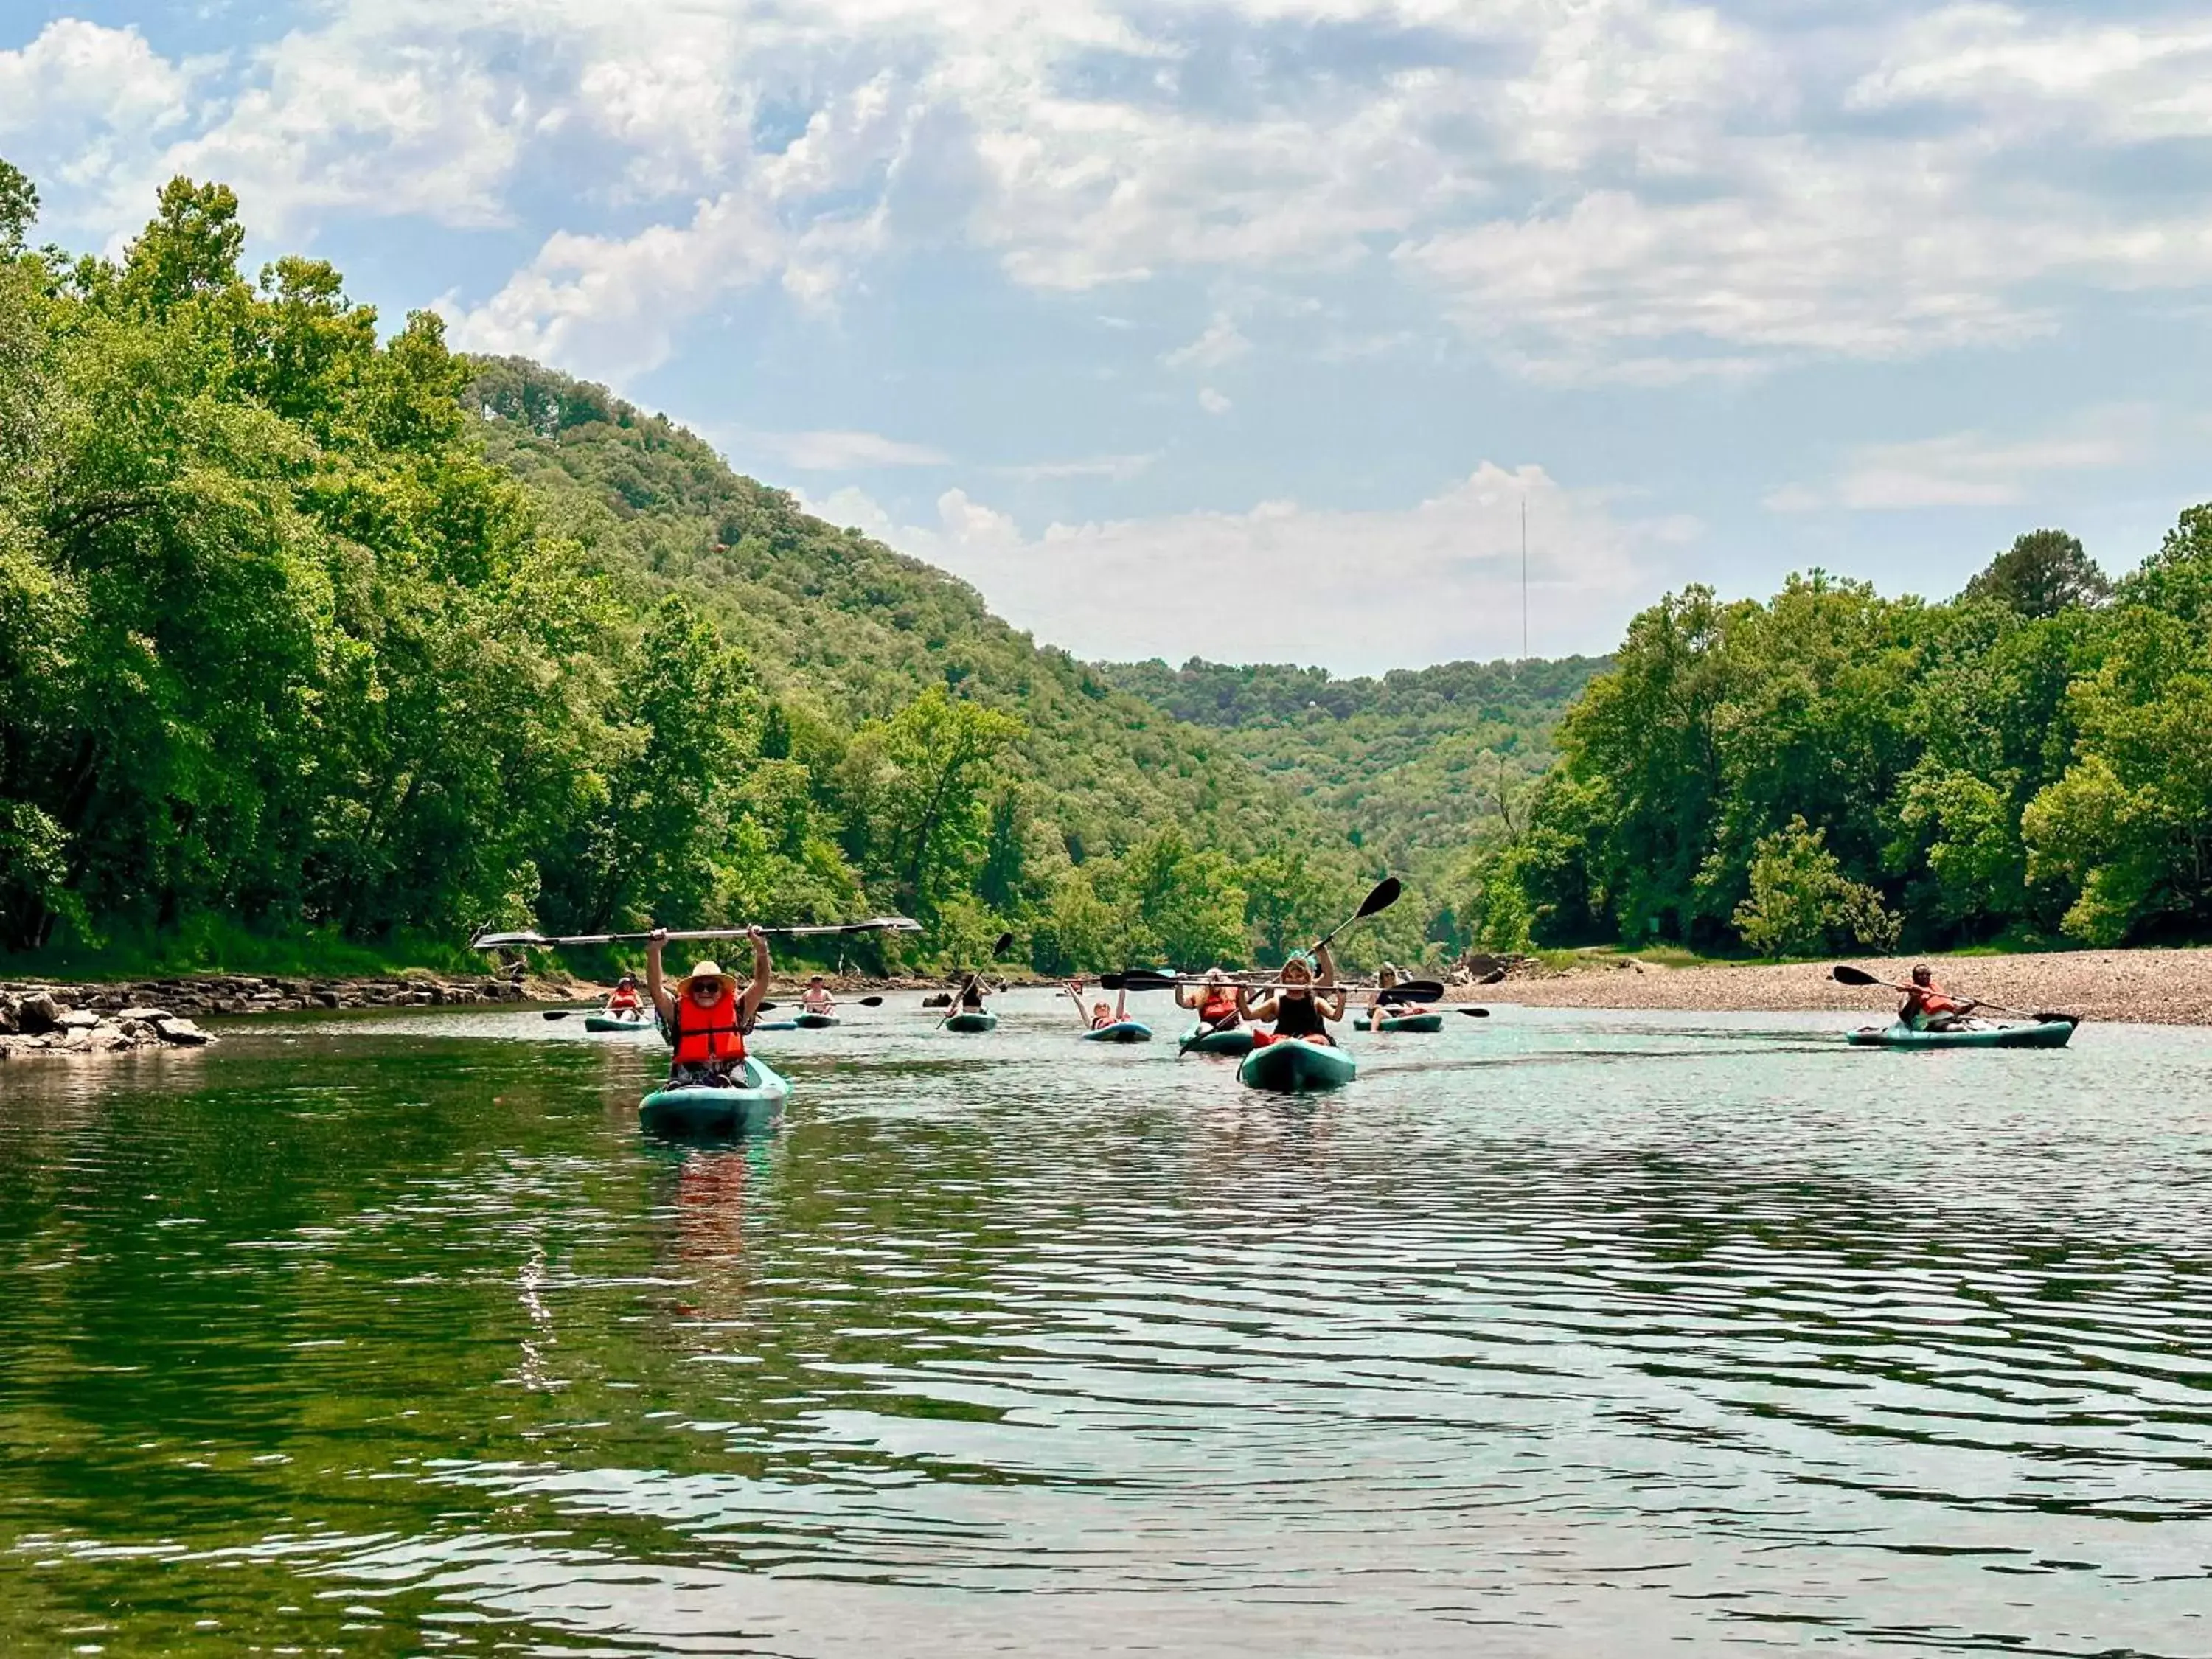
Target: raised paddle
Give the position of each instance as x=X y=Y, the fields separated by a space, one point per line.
x=999 y=946
x=1385 y=895
x=1150 y=979
x=1843 y=973
x=529 y=941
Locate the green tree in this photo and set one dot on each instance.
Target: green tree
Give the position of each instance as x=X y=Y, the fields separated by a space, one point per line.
x=1801 y=901
x=2040 y=574
x=19 y=209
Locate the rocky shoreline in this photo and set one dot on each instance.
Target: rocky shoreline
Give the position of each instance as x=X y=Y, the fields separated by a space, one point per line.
x=2140 y=986
x=38 y=1017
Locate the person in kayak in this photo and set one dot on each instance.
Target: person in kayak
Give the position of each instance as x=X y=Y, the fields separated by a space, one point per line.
x=1301 y=1004
x=816 y=998
x=1102 y=1015
x=1926 y=1006
x=624 y=998
x=1378 y=1011
x=1214 y=998
x=707 y=1015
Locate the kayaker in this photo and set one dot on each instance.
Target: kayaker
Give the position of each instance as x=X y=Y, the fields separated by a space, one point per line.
x=1101 y=1015
x=1926 y=1006
x=971 y=996
x=1378 y=1011
x=624 y=998
x=1214 y=998
x=707 y=1015
x=816 y=998
x=1301 y=1004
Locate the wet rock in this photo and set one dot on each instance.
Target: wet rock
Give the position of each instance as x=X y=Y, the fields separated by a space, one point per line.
x=143 y=1014
x=175 y=1028
x=77 y=1019
x=37 y=1012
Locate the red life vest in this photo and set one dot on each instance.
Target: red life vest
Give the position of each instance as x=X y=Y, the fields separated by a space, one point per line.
x=707 y=1036
x=1218 y=1011
x=622 y=1001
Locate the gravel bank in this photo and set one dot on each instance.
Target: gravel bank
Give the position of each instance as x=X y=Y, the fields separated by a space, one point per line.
x=2150 y=987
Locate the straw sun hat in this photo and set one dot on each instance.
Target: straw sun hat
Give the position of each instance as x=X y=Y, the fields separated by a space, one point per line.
x=705 y=970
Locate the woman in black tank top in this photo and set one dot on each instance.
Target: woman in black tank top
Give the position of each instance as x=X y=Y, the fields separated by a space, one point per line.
x=1302 y=1004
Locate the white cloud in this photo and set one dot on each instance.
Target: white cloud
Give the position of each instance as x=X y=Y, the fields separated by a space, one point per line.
x=86 y=107
x=1969 y=469
x=1355 y=591
x=845 y=451
x=1223 y=342
x=1213 y=402
x=1637 y=190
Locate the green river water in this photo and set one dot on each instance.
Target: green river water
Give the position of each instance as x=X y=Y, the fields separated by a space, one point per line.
x=1556 y=1335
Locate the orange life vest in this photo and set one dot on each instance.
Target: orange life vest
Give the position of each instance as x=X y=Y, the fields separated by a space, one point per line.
x=622 y=1001
x=707 y=1036
x=1214 y=1010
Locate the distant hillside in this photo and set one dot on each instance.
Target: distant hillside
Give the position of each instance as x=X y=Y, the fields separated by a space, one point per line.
x=1411 y=764
x=833 y=619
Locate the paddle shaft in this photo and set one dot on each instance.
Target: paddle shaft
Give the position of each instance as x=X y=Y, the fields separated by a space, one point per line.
x=1863 y=977
x=537 y=941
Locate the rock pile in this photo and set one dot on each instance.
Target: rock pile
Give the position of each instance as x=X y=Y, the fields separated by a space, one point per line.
x=37 y=1020
x=153 y=1013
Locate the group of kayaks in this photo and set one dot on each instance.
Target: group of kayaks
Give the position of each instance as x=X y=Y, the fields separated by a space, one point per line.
x=1283 y=1065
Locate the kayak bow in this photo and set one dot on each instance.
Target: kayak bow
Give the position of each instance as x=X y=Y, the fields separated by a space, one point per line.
x=1291 y=1066
x=1236 y=1041
x=1429 y=1022
x=696 y=1109
x=1121 y=1030
x=983 y=1021
x=616 y=1023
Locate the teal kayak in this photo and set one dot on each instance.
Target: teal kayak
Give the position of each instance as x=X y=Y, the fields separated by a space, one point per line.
x=814 y=1022
x=1291 y=1065
x=1236 y=1041
x=1121 y=1030
x=983 y=1021
x=694 y=1110
x=1404 y=1023
x=616 y=1022
x=2044 y=1033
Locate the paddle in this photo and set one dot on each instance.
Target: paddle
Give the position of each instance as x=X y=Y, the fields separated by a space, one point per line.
x=529 y=941
x=999 y=946
x=1151 y=979
x=1385 y=895
x=1843 y=973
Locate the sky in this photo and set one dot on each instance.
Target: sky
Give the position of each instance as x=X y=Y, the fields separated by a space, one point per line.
x=1252 y=330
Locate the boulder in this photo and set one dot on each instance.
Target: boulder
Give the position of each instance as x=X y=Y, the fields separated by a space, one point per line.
x=37 y=1012
x=7 y=1026
x=128 y=1014
x=176 y=1028
x=78 y=1019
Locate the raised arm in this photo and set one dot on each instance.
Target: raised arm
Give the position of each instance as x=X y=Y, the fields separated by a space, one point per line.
x=655 y=987
x=756 y=993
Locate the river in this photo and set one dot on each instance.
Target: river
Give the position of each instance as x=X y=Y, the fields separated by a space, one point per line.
x=1559 y=1334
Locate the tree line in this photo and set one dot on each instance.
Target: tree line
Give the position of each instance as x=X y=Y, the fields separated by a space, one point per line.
x=2030 y=762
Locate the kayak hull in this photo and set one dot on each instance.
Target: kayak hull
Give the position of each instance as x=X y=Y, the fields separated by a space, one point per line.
x=985 y=1021
x=814 y=1022
x=691 y=1110
x=1236 y=1041
x=615 y=1023
x=2044 y=1033
x=1293 y=1067
x=1429 y=1022
x=1123 y=1030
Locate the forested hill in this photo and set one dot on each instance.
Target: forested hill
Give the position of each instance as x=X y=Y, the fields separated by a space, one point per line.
x=844 y=629
x=1412 y=766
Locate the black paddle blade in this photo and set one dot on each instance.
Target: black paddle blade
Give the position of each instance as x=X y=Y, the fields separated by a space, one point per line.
x=556 y=1013
x=872 y=1002
x=1413 y=990
x=1006 y=944
x=1476 y=1013
x=1137 y=979
x=1843 y=973
x=1385 y=895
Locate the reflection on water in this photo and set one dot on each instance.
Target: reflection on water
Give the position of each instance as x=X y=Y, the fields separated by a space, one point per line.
x=1557 y=1333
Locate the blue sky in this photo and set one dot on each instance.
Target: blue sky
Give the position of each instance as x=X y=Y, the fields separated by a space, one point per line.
x=1247 y=329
